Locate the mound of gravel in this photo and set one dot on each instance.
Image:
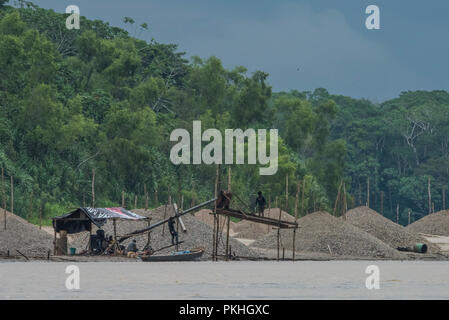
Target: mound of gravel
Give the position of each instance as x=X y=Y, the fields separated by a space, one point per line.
x=322 y=233
x=23 y=236
x=206 y=217
x=252 y=230
x=382 y=228
x=434 y=223
x=198 y=234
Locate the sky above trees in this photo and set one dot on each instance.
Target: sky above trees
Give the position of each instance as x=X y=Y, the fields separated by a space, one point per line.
x=301 y=44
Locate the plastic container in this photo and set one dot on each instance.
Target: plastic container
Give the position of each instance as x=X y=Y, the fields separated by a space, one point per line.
x=72 y=251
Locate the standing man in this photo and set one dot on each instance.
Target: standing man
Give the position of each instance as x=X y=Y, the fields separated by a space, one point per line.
x=171 y=228
x=260 y=203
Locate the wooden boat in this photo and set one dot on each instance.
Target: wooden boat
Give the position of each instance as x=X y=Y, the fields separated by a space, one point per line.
x=187 y=255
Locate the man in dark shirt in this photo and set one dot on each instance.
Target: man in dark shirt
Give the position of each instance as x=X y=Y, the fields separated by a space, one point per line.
x=132 y=246
x=171 y=228
x=260 y=203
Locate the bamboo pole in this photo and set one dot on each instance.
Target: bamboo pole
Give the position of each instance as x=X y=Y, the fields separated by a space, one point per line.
x=294 y=250
x=165 y=214
x=286 y=192
x=382 y=203
x=192 y=203
x=303 y=188
x=397 y=213
x=12 y=194
x=336 y=199
x=115 y=233
x=345 y=205
x=228 y=218
x=135 y=201
x=218 y=217
x=429 y=194
x=297 y=199
x=146 y=196
x=3 y=196
x=409 y=214
x=40 y=215
x=30 y=207
x=444 y=197
x=269 y=209
x=214 y=239
x=367 y=192
x=123 y=198
x=93 y=188
x=156 y=199
x=278 y=243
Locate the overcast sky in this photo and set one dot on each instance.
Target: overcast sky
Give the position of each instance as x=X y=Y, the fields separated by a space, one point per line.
x=326 y=39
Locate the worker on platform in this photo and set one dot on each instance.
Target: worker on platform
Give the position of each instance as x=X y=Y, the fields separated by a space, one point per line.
x=171 y=228
x=132 y=246
x=260 y=203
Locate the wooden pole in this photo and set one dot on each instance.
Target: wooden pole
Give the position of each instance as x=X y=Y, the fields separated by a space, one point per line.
x=93 y=188
x=12 y=194
x=278 y=243
x=3 y=196
x=192 y=203
x=214 y=239
x=54 y=243
x=146 y=196
x=409 y=213
x=135 y=201
x=444 y=197
x=30 y=207
x=382 y=203
x=397 y=213
x=294 y=250
x=286 y=192
x=165 y=215
x=345 y=205
x=123 y=198
x=367 y=192
x=336 y=199
x=218 y=217
x=302 y=204
x=429 y=194
x=115 y=233
x=156 y=199
x=228 y=218
x=40 y=215
x=269 y=209
x=297 y=199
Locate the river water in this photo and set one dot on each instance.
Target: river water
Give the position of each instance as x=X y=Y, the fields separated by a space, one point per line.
x=226 y=280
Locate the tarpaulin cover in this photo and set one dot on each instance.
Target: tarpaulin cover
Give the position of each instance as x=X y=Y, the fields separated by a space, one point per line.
x=81 y=219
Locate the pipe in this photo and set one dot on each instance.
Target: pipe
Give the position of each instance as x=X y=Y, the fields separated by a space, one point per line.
x=157 y=224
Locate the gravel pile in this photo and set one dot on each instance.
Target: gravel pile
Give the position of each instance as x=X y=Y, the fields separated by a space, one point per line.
x=23 y=236
x=198 y=235
x=252 y=230
x=434 y=223
x=322 y=233
x=207 y=218
x=382 y=228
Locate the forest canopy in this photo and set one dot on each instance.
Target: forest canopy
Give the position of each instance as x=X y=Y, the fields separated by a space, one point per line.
x=74 y=101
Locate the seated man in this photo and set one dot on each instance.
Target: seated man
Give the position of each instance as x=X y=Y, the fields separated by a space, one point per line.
x=132 y=246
